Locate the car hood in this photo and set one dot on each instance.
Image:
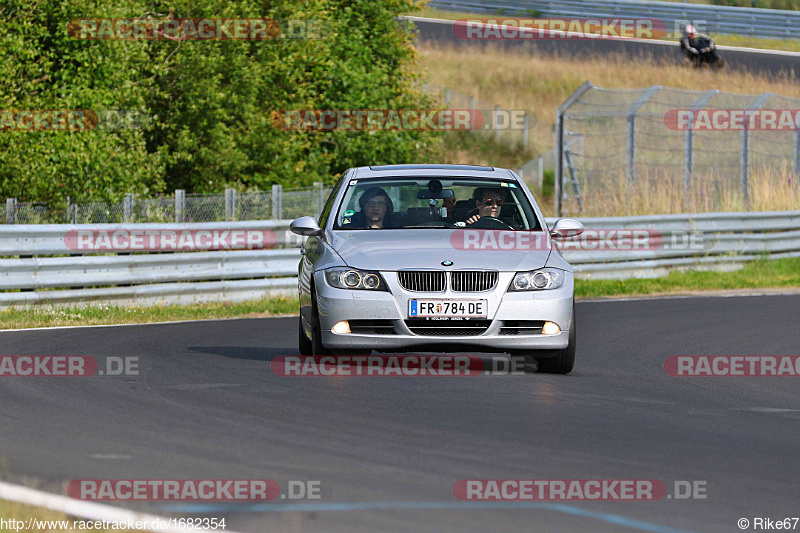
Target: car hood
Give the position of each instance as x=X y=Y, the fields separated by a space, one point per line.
x=427 y=248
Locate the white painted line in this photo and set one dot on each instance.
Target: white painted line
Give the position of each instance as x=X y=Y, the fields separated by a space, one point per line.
x=86 y=510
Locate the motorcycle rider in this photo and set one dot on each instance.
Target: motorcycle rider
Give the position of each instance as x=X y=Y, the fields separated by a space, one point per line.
x=692 y=42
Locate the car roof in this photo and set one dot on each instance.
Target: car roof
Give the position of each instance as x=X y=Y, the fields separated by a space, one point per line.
x=378 y=171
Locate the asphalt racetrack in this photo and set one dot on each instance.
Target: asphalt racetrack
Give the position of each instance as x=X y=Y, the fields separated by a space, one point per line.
x=760 y=62
x=387 y=451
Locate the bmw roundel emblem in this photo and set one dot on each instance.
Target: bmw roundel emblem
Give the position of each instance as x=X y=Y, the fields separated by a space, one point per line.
x=447 y=263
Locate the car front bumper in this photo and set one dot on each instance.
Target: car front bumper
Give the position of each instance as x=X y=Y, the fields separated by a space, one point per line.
x=390 y=311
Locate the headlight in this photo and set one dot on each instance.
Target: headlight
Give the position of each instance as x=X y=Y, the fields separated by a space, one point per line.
x=352 y=278
x=538 y=280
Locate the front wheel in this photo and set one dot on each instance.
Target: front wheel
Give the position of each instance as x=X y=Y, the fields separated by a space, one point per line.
x=561 y=363
x=304 y=342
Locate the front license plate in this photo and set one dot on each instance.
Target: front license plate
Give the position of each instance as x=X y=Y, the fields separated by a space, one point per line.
x=447 y=308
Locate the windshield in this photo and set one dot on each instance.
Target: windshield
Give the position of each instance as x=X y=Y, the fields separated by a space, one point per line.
x=402 y=203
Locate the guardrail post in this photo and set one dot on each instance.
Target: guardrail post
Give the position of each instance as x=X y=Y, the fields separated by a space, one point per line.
x=320 y=196
x=127 y=208
x=558 y=143
x=230 y=204
x=744 y=155
x=180 y=205
x=11 y=210
x=277 y=202
x=631 y=145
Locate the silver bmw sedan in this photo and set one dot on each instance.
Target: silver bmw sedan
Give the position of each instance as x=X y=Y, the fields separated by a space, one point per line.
x=436 y=258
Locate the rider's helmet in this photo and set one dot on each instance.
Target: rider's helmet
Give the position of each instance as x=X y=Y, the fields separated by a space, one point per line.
x=690 y=31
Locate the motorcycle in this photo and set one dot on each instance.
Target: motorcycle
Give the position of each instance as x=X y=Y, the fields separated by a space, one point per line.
x=706 y=55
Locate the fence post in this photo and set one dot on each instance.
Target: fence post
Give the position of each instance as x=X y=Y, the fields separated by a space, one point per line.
x=744 y=155
x=496 y=124
x=127 y=208
x=525 y=131
x=631 y=145
x=688 y=149
x=320 y=195
x=472 y=103
x=558 y=143
x=541 y=171
x=180 y=205
x=230 y=204
x=447 y=97
x=277 y=202
x=11 y=210
x=796 y=158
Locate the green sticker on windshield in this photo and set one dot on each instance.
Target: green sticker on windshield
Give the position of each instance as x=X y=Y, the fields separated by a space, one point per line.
x=349 y=213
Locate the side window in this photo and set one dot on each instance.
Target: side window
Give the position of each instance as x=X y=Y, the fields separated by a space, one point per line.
x=326 y=211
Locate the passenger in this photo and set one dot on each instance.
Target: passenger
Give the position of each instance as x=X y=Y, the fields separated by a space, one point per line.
x=376 y=210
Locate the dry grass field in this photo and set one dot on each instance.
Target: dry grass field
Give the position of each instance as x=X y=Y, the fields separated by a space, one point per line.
x=541 y=84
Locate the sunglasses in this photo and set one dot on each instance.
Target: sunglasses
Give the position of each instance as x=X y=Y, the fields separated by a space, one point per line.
x=374 y=205
x=489 y=202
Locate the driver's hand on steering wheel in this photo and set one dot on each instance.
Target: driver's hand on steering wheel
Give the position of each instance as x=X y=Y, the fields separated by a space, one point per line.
x=473 y=219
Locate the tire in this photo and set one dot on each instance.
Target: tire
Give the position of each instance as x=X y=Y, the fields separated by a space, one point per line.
x=317 y=348
x=554 y=362
x=564 y=361
x=304 y=343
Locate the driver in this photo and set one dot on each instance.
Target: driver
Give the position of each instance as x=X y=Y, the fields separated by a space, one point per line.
x=488 y=203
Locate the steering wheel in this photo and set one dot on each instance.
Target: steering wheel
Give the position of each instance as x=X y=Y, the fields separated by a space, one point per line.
x=488 y=222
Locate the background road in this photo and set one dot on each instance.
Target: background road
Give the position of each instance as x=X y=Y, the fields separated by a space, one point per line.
x=773 y=62
x=388 y=450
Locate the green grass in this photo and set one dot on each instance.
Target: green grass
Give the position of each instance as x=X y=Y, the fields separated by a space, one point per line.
x=16 y=318
x=761 y=274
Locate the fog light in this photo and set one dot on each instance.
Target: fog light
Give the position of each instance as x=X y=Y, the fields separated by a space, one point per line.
x=342 y=328
x=549 y=328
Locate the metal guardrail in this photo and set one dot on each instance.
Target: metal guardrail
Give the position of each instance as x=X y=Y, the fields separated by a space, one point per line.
x=64 y=276
x=770 y=23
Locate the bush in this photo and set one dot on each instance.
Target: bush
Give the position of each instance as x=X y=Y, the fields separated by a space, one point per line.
x=209 y=101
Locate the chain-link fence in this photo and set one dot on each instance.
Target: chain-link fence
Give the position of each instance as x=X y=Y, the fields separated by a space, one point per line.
x=276 y=204
x=664 y=150
x=510 y=127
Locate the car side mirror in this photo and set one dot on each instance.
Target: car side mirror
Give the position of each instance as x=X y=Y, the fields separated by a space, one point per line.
x=306 y=226
x=566 y=227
